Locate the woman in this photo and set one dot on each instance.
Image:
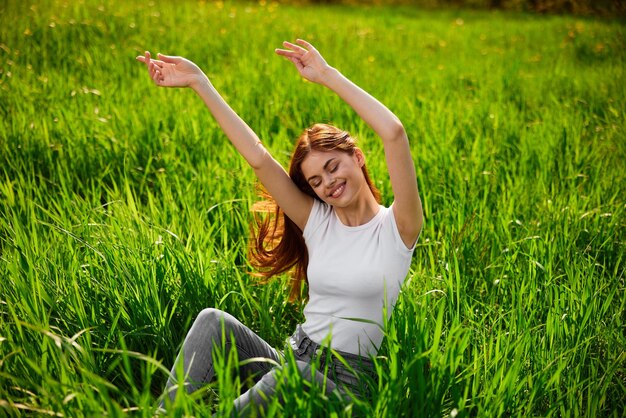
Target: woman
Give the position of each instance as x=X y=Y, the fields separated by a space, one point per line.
x=330 y=228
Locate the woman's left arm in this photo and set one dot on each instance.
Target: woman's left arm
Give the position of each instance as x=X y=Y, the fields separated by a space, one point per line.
x=407 y=206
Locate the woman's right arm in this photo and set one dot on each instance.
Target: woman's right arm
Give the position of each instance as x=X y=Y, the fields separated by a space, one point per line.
x=179 y=72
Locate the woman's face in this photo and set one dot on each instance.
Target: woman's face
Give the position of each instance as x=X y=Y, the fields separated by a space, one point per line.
x=335 y=176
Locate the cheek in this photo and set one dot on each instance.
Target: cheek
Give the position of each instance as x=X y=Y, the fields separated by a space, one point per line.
x=351 y=172
x=319 y=193
x=310 y=190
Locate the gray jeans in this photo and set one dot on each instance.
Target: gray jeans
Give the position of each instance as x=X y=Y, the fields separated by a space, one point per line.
x=206 y=334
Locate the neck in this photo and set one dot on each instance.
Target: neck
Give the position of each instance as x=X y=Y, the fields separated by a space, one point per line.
x=360 y=212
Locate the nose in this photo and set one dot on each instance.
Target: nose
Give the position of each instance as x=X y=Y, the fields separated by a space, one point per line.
x=329 y=180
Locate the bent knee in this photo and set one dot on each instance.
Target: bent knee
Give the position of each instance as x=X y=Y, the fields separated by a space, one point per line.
x=208 y=321
x=210 y=315
x=216 y=322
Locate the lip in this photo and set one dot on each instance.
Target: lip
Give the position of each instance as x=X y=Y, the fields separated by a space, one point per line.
x=341 y=187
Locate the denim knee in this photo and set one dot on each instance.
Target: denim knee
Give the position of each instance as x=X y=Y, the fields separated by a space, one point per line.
x=210 y=315
x=210 y=321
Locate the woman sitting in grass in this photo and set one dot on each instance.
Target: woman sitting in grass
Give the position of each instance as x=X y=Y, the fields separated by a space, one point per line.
x=329 y=229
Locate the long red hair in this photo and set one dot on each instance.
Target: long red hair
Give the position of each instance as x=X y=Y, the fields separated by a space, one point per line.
x=277 y=244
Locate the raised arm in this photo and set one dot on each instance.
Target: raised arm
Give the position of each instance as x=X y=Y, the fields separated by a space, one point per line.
x=170 y=71
x=407 y=206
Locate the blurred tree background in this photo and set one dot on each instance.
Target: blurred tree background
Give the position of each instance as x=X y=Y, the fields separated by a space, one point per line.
x=605 y=8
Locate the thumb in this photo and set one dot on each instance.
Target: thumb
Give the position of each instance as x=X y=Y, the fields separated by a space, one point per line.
x=169 y=59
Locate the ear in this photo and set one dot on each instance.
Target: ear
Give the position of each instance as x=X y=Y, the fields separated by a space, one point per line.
x=360 y=157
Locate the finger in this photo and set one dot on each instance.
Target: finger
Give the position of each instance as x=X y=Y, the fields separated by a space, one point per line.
x=290 y=56
x=297 y=63
x=152 y=63
x=141 y=58
x=146 y=59
x=295 y=47
x=154 y=71
x=306 y=44
x=169 y=59
x=287 y=53
x=157 y=77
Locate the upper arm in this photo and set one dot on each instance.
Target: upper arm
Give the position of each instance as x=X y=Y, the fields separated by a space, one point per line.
x=295 y=203
x=407 y=206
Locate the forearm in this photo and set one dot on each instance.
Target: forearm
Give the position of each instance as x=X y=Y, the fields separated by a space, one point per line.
x=374 y=113
x=238 y=132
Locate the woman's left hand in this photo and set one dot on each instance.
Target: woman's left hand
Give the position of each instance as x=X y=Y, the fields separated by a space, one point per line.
x=308 y=61
x=171 y=71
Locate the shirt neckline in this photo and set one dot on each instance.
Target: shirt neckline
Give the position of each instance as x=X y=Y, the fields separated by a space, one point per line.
x=367 y=224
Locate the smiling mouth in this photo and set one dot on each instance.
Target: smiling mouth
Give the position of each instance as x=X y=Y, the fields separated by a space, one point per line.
x=337 y=191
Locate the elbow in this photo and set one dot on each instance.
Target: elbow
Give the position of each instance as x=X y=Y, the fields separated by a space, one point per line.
x=259 y=158
x=397 y=132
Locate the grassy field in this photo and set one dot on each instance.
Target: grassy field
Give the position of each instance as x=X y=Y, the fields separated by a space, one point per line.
x=124 y=211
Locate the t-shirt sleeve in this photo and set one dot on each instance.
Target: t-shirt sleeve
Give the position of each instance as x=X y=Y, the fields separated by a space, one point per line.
x=316 y=217
x=400 y=245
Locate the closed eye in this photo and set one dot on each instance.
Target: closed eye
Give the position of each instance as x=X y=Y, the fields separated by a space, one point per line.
x=331 y=166
x=315 y=182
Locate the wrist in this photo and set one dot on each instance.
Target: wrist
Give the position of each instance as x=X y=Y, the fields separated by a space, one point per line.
x=327 y=76
x=199 y=82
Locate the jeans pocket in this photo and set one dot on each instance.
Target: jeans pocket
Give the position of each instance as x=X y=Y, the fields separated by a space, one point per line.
x=357 y=380
x=299 y=347
x=345 y=380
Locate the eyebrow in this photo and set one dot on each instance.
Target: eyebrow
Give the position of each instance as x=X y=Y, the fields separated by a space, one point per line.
x=325 y=165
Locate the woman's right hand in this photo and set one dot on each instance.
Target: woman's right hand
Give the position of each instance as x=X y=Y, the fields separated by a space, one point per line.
x=169 y=71
x=308 y=61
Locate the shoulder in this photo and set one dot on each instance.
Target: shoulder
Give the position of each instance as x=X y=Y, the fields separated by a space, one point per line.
x=320 y=213
x=391 y=223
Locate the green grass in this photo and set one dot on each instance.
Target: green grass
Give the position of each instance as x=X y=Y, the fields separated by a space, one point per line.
x=124 y=211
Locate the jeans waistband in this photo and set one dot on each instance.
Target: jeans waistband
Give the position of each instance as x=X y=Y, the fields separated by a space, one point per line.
x=302 y=345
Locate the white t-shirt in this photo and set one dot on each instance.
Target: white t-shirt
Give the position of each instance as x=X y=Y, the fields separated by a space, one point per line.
x=349 y=271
